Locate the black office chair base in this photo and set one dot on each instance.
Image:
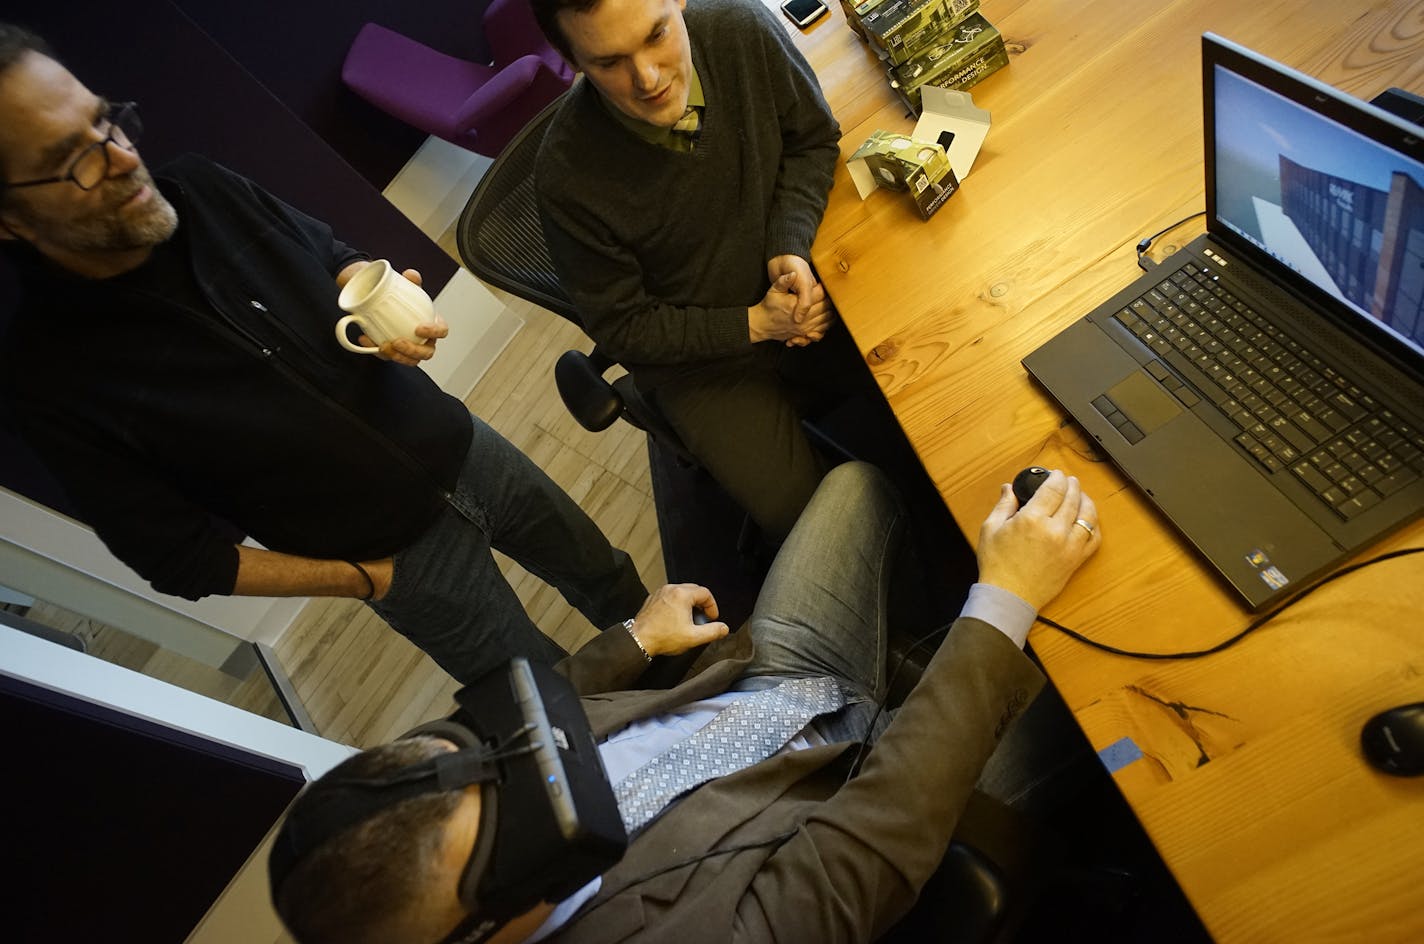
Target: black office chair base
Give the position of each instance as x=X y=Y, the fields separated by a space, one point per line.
x=987 y=882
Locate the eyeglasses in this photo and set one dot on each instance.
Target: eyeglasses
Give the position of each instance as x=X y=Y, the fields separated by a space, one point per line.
x=91 y=167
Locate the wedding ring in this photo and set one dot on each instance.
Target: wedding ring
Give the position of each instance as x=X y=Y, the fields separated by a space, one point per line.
x=1085 y=526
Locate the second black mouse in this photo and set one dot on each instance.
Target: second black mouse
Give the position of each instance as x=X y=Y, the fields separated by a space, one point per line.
x=1393 y=740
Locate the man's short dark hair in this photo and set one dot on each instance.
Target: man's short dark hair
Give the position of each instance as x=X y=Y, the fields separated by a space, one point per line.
x=546 y=14
x=15 y=41
x=352 y=888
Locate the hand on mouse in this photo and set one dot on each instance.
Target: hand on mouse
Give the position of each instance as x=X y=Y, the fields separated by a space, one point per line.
x=1033 y=550
x=1027 y=482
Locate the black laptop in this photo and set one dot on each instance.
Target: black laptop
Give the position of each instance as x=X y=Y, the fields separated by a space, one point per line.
x=1264 y=386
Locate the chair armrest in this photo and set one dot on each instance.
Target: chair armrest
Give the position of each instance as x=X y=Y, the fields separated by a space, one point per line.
x=592 y=400
x=986 y=882
x=967 y=900
x=502 y=90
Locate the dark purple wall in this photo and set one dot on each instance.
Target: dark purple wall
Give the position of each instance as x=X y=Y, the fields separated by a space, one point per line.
x=296 y=48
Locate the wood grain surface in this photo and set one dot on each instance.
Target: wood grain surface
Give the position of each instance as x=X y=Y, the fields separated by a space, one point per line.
x=1250 y=780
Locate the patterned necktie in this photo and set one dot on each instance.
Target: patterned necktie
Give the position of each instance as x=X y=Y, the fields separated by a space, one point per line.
x=744 y=733
x=689 y=125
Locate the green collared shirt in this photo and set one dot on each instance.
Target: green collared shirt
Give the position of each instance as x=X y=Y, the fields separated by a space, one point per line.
x=663 y=137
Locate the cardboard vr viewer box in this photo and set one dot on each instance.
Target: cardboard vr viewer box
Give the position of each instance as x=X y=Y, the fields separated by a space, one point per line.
x=929 y=162
x=966 y=55
x=901 y=28
x=899 y=162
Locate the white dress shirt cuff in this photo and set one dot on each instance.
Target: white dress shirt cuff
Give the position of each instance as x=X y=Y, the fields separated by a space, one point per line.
x=1005 y=611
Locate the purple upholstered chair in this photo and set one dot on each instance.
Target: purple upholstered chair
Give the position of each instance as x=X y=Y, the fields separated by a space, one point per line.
x=479 y=107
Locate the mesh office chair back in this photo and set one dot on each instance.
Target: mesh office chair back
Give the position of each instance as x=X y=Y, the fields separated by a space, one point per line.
x=501 y=240
x=499 y=236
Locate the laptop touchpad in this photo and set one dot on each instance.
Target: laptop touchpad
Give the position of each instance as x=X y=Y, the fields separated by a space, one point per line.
x=1143 y=404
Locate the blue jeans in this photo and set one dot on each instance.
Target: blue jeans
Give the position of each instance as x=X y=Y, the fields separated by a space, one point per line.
x=822 y=609
x=447 y=595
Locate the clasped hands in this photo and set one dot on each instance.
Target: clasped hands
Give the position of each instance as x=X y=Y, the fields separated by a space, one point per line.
x=795 y=310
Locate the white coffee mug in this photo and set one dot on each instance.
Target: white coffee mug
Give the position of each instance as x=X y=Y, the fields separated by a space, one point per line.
x=385 y=304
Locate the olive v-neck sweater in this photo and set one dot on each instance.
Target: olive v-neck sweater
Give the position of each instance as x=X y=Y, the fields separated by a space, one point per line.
x=663 y=252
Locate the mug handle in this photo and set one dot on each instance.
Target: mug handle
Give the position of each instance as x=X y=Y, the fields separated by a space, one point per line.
x=345 y=341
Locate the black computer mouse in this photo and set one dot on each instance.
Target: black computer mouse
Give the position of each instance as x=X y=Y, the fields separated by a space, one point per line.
x=1027 y=482
x=1393 y=740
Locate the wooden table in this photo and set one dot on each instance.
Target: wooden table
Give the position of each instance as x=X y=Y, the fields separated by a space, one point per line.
x=1251 y=783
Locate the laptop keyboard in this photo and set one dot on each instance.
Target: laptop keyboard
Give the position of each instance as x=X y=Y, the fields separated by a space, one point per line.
x=1295 y=412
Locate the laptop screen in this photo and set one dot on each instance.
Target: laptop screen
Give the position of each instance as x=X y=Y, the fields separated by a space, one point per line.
x=1322 y=184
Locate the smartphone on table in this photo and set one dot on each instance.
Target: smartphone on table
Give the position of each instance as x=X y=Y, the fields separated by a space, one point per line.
x=804 y=12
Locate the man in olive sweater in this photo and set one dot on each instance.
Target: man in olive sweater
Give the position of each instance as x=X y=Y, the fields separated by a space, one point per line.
x=680 y=186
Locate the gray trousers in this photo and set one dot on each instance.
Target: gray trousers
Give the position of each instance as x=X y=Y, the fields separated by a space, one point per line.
x=447 y=595
x=744 y=425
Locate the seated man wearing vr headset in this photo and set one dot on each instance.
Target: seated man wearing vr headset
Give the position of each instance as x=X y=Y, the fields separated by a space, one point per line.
x=571 y=806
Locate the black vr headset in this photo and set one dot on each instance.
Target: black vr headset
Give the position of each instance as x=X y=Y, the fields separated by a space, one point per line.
x=548 y=820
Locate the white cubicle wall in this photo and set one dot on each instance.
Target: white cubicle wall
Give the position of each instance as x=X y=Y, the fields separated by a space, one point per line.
x=51 y=557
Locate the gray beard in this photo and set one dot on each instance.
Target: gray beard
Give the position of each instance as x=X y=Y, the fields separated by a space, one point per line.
x=114 y=233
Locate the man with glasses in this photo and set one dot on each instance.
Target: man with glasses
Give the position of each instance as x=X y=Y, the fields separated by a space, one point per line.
x=148 y=221
x=173 y=362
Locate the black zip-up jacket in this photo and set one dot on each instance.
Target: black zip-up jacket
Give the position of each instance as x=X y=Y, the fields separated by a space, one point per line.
x=164 y=420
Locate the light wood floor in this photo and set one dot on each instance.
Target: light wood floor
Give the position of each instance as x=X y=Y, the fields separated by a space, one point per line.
x=361 y=682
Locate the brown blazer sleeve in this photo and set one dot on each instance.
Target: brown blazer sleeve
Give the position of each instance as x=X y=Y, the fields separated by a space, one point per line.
x=859 y=860
x=609 y=662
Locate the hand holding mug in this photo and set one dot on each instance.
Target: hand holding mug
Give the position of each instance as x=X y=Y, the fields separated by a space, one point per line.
x=389 y=308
